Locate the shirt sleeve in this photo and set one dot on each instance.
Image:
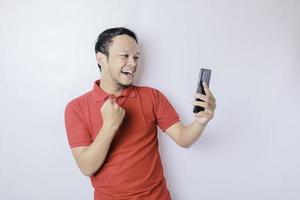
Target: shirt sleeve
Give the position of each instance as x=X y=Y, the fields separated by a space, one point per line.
x=77 y=132
x=165 y=114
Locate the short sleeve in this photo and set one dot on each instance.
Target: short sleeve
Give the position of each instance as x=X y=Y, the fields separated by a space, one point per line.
x=77 y=132
x=165 y=114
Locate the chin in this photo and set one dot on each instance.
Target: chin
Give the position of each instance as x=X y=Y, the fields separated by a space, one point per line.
x=125 y=83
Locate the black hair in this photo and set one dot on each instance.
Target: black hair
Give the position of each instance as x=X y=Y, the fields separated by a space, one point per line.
x=105 y=38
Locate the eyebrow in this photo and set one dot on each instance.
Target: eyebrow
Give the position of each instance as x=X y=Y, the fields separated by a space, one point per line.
x=127 y=51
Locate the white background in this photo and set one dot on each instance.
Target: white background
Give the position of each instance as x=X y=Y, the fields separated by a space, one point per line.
x=250 y=150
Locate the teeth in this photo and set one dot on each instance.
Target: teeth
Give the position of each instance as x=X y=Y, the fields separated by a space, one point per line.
x=130 y=72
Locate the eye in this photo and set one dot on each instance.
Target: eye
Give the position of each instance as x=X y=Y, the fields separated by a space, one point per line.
x=125 y=56
x=136 y=58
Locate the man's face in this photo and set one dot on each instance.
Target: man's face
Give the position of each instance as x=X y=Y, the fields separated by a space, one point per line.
x=121 y=64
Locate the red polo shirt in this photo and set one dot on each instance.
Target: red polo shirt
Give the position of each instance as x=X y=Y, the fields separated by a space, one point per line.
x=133 y=168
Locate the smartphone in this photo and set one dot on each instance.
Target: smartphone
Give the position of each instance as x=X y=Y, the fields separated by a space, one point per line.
x=204 y=75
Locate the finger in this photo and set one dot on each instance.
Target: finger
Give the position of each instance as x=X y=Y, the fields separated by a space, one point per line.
x=206 y=89
x=201 y=96
x=123 y=111
x=210 y=112
x=201 y=114
x=205 y=114
x=207 y=106
x=209 y=101
x=212 y=97
x=214 y=105
x=108 y=101
x=198 y=114
x=209 y=93
x=114 y=103
x=201 y=104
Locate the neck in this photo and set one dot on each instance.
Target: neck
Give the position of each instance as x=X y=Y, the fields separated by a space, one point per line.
x=110 y=87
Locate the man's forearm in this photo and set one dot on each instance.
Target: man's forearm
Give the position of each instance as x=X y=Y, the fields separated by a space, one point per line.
x=92 y=158
x=190 y=133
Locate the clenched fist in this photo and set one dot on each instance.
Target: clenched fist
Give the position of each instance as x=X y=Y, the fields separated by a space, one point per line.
x=112 y=114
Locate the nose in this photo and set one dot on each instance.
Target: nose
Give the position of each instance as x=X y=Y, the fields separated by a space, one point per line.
x=132 y=62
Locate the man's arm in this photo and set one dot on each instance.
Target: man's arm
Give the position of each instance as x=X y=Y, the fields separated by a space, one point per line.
x=90 y=158
x=185 y=136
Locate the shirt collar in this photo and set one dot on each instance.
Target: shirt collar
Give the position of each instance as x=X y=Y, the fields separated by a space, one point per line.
x=100 y=95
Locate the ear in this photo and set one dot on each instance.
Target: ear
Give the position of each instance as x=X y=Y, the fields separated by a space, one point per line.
x=101 y=58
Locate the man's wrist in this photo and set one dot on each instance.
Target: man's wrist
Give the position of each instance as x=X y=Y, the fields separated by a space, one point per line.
x=198 y=123
x=108 y=130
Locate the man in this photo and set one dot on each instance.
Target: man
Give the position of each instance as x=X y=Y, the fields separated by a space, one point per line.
x=112 y=129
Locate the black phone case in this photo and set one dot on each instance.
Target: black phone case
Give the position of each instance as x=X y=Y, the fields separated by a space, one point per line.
x=204 y=75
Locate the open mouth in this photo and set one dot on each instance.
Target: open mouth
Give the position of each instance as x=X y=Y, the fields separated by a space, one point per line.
x=127 y=73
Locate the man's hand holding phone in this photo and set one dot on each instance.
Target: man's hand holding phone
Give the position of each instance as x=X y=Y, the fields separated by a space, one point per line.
x=205 y=102
x=208 y=103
